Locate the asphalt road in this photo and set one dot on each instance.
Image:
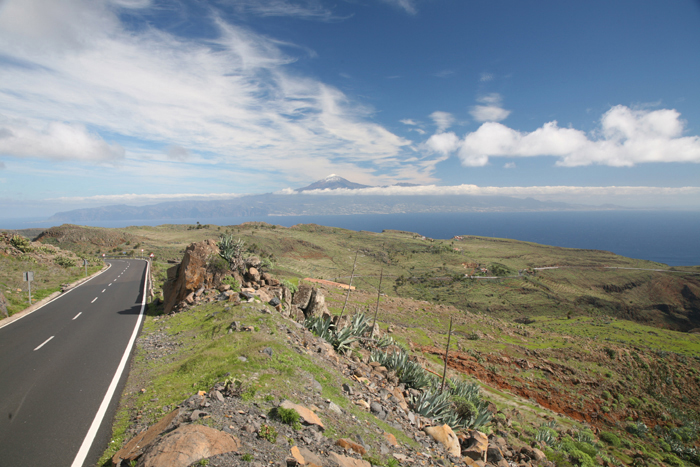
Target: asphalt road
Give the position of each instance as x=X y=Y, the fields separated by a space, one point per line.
x=57 y=365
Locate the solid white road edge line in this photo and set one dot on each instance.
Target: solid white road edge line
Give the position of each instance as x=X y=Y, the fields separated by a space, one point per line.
x=92 y=432
x=45 y=342
x=77 y=315
x=51 y=301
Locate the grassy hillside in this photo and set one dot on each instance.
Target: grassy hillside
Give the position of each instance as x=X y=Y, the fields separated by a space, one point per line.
x=594 y=343
x=51 y=265
x=586 y=283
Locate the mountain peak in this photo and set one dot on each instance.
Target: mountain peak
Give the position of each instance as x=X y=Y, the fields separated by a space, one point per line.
x=333 y=182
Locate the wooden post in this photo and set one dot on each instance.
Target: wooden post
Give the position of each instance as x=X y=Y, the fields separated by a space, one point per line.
x=352 y=276
x=447 y=350
x=379 y=293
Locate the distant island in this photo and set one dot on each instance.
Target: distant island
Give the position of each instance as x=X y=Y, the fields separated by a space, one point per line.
x=333 y=195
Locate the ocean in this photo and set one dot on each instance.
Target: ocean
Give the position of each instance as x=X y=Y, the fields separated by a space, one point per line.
x=669 y=237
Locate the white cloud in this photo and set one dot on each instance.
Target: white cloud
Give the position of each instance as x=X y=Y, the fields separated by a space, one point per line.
x=230 y=97
x=56 y=140
x=146 y=198
x=492 y=111
x=408 y=121
x=626 y=137
x=509 y=165
x=177 y=153
x=443 y=143
x=443 y=120
x=485 y=77
x=406 y=5
x=516 y=191
x=299 y=9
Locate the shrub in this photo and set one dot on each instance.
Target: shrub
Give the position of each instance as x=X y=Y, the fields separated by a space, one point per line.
x=611 y=438
x=464 y=407
x=217 y=264
x=21 y=243
x=638 y=429
x=289 y=416
x=498 y=269
x=290 y=285
x=581 y=459
x=64 y=261
x=268 y=432
x=233 y=282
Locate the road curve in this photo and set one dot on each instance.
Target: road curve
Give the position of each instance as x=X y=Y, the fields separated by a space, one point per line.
x=58 y=364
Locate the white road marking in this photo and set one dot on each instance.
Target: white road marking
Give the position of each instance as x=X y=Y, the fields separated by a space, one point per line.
x=77 y=315
x=93 y=300
x=45 y=342
x=92 y=432
x=110 y=284
x=103 y=290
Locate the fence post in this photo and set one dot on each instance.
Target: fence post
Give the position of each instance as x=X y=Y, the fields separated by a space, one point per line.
x=447 y=350
x=379 y=293
x=352 y=276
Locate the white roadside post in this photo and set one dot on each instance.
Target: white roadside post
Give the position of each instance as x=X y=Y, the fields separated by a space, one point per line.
x=28 y=278
x=85 y=263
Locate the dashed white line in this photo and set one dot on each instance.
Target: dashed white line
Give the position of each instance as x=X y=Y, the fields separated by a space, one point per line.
x=77 y=315
x=93 y=300
x=110 y=284
x=44 y=343
x=103 y=290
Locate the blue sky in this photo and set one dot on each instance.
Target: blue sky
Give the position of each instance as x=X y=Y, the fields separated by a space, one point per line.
x=137 y=101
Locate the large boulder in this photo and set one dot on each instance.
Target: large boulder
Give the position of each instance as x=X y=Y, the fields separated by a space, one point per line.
x=310 y=301
x=191 y=274
x=444 y=435
x=186 y=445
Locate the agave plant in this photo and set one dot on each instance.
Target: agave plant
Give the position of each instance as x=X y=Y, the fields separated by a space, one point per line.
x=432 y=404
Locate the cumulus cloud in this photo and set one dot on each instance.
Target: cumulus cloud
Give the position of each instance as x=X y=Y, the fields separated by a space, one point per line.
x=442 y=143
x=625 y=137
x=57 y=141
x=491 y=110
x=443 y=120
x=230 y=95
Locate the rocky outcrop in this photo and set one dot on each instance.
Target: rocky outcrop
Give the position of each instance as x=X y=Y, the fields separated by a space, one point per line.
x=310 y=301
x=186 y=445
x=191 y=274
x=198 y=279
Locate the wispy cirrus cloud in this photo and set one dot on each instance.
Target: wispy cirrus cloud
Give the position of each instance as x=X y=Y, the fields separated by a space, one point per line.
x=624 y=138
x=443 y=120
x=304 y=9
x=407 y=5
x=73 y=74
